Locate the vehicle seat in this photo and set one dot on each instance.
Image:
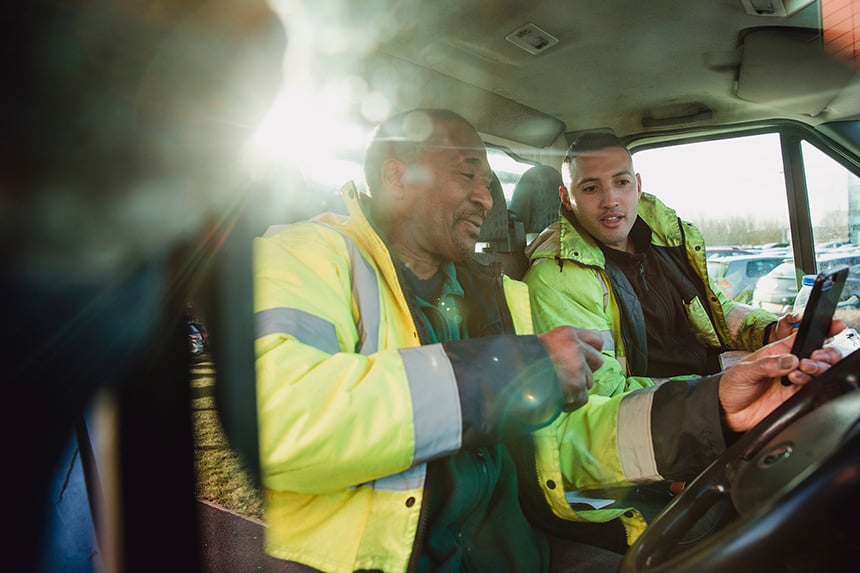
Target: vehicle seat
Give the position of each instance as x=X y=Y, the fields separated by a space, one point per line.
x=535 y=201
x=502 y=238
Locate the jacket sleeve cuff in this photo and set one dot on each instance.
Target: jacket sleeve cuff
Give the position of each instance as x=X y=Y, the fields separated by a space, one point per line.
x=507 y=387
x=672 y=431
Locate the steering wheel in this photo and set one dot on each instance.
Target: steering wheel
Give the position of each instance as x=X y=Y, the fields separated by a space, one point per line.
x=791 y=485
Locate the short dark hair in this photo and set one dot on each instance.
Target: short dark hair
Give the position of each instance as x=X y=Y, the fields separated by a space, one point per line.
x=403 y=136
x=585 y=142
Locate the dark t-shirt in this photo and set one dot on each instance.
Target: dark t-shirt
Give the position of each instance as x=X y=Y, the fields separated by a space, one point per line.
x=672 y=347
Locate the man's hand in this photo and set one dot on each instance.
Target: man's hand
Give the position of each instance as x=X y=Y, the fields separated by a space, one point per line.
x=787 y=324
x=575 y=353
x=752 y=389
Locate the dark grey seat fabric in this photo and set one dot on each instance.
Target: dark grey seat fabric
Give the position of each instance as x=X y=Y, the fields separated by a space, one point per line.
x=503 y=235
x=495 y=227
x=535 y=200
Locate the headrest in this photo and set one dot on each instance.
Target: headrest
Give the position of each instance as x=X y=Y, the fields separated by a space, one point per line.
x=495 y=227
x=535 y=200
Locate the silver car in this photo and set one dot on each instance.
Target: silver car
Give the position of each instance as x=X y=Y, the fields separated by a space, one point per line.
x=736 y=275
x=777 y=290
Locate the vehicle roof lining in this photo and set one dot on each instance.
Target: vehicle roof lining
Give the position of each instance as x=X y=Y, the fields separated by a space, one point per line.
x=486 y=110
x=460 y=58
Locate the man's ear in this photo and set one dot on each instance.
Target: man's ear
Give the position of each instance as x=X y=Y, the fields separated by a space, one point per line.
x=639 y=183
x=565 y=197
x=393 y=172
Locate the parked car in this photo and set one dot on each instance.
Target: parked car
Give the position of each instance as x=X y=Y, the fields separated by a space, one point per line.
x=198 y=338
x=777 y=290
x=724 y=251
x=736 y=275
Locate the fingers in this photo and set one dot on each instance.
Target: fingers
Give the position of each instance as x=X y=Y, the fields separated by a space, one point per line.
x=590 y=337
x=576 y=398
x=788 y=323
x=750 y=389
x=808 y=370
x=817 y=364
x=593 y=358
x=792 y=317
x=593 y=344
x=775 y=366
x=785 y=326
x=837 y=326
x=575 y=354
x=829 y=356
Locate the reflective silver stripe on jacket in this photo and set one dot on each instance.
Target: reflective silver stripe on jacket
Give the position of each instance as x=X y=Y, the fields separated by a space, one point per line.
x=435 y=402
x=432 y=385
x=365 y=293
x=408 y=480
x=608 y=341
x=307 y=328
x=601 y=274
x=635 y=443
x=320 y=333
x=735 y=319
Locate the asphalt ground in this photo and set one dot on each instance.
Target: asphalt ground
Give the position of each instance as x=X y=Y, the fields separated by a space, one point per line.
x=230 y=542
x=233 y=543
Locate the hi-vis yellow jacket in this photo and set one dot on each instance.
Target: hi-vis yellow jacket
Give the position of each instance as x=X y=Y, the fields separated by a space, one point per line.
x=352 y=406
x=569 y=283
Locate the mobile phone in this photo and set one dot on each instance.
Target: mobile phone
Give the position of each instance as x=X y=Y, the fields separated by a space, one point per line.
x=818 y=314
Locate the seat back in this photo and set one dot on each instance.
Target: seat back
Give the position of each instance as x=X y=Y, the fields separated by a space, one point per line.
x=502 y=238
x=535 y=200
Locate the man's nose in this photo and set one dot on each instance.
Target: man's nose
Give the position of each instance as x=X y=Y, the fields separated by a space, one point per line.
x=610 y=196
x=482 y=195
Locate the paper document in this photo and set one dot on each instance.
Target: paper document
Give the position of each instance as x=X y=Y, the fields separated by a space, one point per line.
x=574 y=497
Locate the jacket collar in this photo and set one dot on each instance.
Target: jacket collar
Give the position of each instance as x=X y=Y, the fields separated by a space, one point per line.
x=567 y=239
x=358 y=208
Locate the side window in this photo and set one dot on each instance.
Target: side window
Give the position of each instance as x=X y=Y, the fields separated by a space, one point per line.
x=834 y=205
x=507 y=168
x=734 y=191
x=834 y=200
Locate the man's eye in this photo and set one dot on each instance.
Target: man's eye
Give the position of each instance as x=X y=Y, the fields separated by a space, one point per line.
x=469 y=176
x=589 y=189
x=624 y=181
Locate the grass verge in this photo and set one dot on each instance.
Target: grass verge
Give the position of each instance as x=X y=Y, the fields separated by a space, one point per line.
x=221 y=477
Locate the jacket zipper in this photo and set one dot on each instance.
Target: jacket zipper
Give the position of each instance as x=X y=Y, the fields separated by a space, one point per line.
x=639 y=268
x=420 y=530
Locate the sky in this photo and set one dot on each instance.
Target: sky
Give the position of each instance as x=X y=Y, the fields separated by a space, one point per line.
x=737 y=177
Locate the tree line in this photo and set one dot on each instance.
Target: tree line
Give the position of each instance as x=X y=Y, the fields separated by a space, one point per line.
x=749 y=230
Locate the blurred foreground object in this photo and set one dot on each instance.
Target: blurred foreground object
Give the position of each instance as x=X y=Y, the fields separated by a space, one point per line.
x=122 y=134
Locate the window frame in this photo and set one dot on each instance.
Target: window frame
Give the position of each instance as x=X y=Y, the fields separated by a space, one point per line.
x=791 y=135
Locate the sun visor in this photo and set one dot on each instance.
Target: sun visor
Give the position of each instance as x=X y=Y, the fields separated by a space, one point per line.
x=406 y=85
x=787 y=68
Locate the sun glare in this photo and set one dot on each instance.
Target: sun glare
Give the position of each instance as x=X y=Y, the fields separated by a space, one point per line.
x=313 y=128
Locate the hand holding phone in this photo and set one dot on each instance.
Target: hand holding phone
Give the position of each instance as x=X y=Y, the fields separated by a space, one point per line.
x=818 y=314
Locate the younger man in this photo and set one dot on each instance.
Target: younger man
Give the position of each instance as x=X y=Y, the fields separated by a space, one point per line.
x=621 y=262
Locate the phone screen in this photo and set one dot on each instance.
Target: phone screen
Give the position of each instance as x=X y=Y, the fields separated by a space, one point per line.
x=815 y=325
x=818 y=314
